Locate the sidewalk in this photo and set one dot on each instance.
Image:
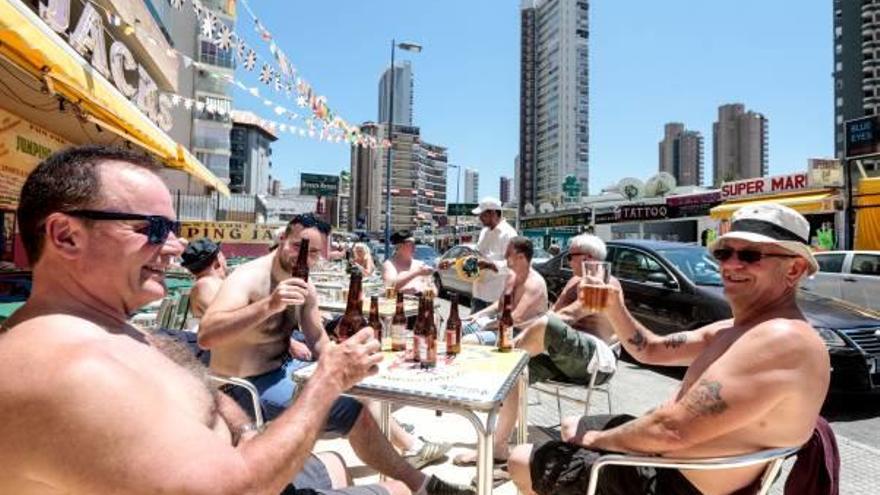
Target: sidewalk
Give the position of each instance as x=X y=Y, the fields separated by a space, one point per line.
x=635 y=390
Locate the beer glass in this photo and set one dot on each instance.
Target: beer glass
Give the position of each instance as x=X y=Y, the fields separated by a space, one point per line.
x=594 y=290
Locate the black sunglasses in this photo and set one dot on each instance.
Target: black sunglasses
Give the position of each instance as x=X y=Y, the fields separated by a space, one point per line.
x=156 y=230
x=569 y=255
x=747 y=255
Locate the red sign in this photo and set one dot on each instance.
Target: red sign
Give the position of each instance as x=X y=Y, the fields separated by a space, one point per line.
x=764 y=185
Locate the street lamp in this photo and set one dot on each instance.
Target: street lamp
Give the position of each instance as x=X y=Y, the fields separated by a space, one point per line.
x=410 y=47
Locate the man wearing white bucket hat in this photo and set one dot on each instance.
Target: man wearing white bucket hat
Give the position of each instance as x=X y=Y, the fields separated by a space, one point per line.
x=755 y=381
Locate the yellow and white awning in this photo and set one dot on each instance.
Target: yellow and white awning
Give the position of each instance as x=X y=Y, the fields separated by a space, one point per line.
x=815 y=202
x=27 y=42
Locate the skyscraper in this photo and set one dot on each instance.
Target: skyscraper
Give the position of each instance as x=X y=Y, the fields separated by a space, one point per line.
x=739 y=144
x=471 y=186
x=681 y=154
x=403 y=94
x=418 y=181
x=505 y=188
x=251 y=146
x=554 y=98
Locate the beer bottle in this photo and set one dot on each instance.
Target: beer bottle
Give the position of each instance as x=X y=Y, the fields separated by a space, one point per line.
x=453 y=328
x=374 y=318
x=411 y=353
x=420 y=332
x=398 y=327
x=505 y=327
x=428 y=357
x=353 y=319
x=300 y=269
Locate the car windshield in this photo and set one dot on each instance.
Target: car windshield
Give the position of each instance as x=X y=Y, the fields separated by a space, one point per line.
x=425 y=253
x=540 y=253
x=695 y=263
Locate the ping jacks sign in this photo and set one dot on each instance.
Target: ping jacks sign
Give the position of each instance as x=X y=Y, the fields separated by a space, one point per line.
x=112 y=58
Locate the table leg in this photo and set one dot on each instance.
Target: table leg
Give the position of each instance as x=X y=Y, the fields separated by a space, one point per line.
x=385 y=425
x=485 y=455
x=522 y=430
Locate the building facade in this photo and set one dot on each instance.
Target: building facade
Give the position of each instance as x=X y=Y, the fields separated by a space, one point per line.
x=403 y=94
x=418 y=181
x=505 y=189
x=739 y=144
x=681 y=154
x=250 y=163
x=471 y=186
x=554 y=99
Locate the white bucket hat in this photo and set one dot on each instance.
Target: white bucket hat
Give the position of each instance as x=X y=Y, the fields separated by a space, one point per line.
x=772 y=223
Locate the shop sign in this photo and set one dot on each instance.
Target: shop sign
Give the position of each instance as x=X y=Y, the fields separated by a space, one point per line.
x=606 y=217
x=692 y=205
x=319 y=185
x=764 y=185
x=117 y=63
x=231 y=232
x=862 y=137
x=460 y=209
x=825 y=172
x=22 y=147
x=635 y=213
x=569 y=220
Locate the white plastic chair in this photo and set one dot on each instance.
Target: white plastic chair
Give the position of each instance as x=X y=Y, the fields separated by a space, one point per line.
x=252 y=390
x=772 y=457
x=556 y=388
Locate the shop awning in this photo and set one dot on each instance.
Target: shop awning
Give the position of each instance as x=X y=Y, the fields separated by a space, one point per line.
x=31 y=45
x=822 y=202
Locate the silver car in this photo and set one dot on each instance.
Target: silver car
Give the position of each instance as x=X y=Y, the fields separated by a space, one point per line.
x=853 y=276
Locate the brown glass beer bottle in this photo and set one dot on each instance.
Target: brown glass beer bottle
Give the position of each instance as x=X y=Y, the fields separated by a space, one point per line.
x=398 y=327
x=300 y=269
x=375 y=323
x=353 y=319
x=505 y=327
x=429 y=337
x=453 y=328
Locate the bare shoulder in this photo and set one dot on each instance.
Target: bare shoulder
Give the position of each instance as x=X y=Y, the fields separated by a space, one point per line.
x=789 y=337
x=535 y=281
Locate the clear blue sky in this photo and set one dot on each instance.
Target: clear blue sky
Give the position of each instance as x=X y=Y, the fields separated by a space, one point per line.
x=650 y=62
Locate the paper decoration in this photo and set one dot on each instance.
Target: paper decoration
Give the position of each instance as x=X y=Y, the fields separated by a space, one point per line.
x=224 y=37
x=251 y=60
x=177 y=4
x=266 y=74
x=208 y=23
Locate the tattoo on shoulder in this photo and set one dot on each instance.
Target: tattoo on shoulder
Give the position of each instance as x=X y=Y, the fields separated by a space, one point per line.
x=675 y=340
x=638 y=340
x=704 y=399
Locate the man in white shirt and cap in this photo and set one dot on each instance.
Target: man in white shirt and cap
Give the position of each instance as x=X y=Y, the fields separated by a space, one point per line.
x=492 y=245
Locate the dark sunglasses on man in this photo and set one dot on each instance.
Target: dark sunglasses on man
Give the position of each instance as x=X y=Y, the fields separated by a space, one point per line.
x=746 y=255
x=156 y=229
x=569 y=255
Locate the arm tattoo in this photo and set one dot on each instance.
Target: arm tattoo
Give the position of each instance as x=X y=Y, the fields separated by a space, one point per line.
x=705 y=399
x=675 y=340
x=638 y=340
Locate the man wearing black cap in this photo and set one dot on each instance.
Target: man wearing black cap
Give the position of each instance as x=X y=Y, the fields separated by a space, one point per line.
x=204 y=259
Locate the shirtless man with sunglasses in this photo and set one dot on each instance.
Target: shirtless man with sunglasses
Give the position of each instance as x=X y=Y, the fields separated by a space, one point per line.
x=92 y=404
x=754 y=382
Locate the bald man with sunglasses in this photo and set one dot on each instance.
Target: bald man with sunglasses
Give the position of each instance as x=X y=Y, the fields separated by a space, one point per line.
x=756 y=381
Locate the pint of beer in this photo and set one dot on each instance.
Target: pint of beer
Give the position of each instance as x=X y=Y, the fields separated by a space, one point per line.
x=594 y=291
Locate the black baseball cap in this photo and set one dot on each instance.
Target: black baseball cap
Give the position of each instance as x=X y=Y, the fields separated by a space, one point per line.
x=199 y=254
x=402 y=236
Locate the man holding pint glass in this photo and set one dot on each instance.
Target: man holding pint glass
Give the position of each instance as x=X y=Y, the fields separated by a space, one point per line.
x=754 y=382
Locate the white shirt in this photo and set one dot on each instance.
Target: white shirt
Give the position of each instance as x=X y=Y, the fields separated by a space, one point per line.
x=492 y=244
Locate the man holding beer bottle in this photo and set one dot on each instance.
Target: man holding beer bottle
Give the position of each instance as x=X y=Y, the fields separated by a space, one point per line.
x=248 y=328
x=403 y=272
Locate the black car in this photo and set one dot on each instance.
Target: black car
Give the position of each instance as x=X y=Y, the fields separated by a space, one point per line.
x=671 y=287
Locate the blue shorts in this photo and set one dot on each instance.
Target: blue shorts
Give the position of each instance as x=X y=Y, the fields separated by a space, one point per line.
x=277 y=389
x=484 y=337
x=314 y=479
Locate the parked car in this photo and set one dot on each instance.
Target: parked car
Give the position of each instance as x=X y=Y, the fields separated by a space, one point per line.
x=671 y=287
x=540 y=256
x=853 y=276
x=447 y=280
x=426 y=254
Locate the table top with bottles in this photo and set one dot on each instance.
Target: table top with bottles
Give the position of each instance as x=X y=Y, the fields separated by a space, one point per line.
x=478 y=378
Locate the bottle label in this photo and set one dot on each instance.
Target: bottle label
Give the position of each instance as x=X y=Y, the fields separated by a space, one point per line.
x=450 y=338
x=422 y=346
x=398 y=335
x=409 y=352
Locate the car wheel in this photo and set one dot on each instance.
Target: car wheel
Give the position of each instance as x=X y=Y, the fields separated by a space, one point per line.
x=439 y=283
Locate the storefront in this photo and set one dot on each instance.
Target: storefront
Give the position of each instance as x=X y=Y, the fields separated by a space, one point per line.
x=555 y=228
x=676 y=218
x=54 y=94
x=820 y=202
x=867 y=206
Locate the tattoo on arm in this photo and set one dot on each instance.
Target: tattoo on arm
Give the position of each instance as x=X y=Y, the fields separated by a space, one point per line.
x=675 y=340
x=705 y=399
x=638 y=340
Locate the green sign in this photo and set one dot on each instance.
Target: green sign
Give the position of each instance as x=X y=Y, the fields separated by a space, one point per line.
x=319 y=185
x=569 y=220
x=571 y=186
x=460 y=209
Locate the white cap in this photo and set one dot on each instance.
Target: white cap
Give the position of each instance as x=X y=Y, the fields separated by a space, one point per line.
x=772 y=223
x=487 y=203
